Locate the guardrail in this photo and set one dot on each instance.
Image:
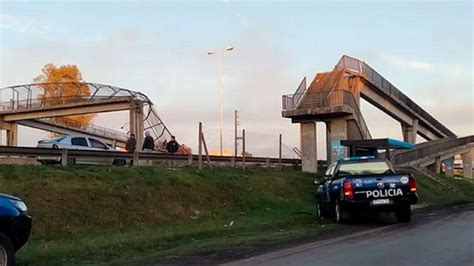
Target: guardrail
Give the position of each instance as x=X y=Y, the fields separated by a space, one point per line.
x=66 y=156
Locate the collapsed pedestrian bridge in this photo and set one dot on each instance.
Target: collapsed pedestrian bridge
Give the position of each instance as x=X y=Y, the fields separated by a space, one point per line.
x=36 y=105
x=334 y=98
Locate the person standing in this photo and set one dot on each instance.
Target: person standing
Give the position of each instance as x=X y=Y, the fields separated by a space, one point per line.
x=131 y=144
x=148 y=143
x=173 y=145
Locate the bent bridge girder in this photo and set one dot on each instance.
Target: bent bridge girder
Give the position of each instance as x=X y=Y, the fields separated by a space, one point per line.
x=37 y=104
x=334 y=98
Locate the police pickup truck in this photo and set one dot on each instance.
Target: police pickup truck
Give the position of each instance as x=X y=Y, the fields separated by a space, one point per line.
x=363 y=185
x=15 y=226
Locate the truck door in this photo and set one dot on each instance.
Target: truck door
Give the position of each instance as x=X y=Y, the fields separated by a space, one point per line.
x=325 y=197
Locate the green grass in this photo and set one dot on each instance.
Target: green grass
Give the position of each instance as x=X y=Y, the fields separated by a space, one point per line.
x=131 y=215
x=461 y=190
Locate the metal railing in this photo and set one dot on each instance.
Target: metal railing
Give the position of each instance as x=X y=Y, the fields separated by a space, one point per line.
x=65 y=155
x=90 y=129
x=425 y=150
x=28 y=104
x=294 y=99
x=323 y=83
x=329 y=98
x=44 y=95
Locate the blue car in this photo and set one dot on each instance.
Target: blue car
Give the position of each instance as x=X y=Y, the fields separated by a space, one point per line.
x=365 y=185
x=15 y=227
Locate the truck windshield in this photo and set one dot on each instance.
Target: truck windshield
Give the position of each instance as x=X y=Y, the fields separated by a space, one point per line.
x=364 y=168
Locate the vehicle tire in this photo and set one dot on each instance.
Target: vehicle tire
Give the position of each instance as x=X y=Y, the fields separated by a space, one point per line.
x=55 y=146
x=319 y=213
x=71 y=161
x=119 y=162
x=7 y=251
x=341 y=214
x=403 y=214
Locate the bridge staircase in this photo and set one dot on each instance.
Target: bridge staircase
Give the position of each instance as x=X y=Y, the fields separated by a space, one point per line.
x=418 y=171
x=434 y=152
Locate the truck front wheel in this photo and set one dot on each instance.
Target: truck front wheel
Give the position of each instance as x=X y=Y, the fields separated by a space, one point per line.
x=7 y=252
x=403 y=214
x=319 y=213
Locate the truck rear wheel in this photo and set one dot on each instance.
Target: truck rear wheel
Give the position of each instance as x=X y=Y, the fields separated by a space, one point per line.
x=403 y=214
x=341 y=214
x=7 y=252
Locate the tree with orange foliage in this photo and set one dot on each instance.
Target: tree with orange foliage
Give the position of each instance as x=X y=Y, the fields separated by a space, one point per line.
x=68 y=91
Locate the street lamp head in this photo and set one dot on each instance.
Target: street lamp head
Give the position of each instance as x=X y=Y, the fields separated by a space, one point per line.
x=230 y=48
x=210 y=52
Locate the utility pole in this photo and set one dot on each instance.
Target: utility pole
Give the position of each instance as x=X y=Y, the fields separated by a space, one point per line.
x=279 y=151
x=200 y=146
x=236 y=136
x=243 y=148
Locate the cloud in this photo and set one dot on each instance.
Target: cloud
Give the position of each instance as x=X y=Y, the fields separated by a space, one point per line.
x=413 y=64
x=23 y=24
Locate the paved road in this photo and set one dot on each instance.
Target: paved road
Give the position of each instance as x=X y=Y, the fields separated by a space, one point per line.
x=440 y=239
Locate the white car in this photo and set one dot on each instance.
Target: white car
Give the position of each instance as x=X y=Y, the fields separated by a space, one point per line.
x=77 y=143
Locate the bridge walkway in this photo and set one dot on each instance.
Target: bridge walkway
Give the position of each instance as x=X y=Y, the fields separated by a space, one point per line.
x=35 y=104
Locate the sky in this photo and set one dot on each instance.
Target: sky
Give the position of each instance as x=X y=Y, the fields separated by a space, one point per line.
x=160 y=48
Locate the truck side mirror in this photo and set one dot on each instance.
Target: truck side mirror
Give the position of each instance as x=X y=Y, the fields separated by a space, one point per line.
x=319 y=182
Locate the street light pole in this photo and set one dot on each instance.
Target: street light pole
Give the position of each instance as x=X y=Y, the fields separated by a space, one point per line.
x=221 y=93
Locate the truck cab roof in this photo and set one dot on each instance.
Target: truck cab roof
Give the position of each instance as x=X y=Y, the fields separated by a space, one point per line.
x=357 y=158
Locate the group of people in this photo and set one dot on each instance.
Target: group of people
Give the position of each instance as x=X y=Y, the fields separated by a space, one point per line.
x=171 y=146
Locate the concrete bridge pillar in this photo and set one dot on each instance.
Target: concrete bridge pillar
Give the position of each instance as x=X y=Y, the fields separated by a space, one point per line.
x=12 y=134
x=449 y=167
x=438 y=165
x=336 y=130
x=468 y=162
x=410 y=132
x=309 y=161
x=136 y=122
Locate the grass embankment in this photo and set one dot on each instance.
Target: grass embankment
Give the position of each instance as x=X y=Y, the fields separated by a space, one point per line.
x=118 y=214
x=449 y=191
